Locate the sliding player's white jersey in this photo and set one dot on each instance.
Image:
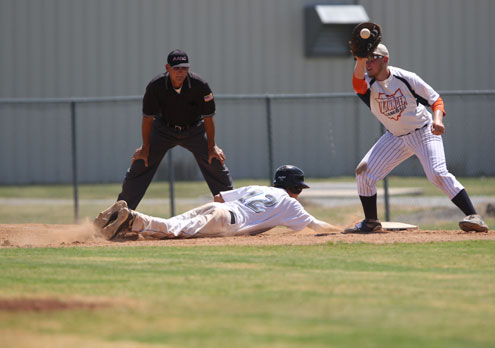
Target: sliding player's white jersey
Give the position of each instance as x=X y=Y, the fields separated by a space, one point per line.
x=260 y=208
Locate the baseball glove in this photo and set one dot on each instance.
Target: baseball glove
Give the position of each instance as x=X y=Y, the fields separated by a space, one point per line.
x=364 y=47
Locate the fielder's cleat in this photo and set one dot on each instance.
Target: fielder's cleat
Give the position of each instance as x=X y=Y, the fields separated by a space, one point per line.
x=473 y=223
x=108 y=215
x=365 y=226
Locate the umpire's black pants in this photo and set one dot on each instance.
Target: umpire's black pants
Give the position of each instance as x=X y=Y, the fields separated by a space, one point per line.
x=163 y=138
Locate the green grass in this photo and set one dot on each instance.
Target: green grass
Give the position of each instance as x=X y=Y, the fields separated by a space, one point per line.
x=191 y=189
x=104 y=194
x=157 y=189
x=335 y=295
x=481 y=186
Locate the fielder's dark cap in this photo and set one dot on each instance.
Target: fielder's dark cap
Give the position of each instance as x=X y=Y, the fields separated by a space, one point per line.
x=178 y=58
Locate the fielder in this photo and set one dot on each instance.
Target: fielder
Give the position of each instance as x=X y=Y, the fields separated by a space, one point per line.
x=247 y=210
x=398 y=98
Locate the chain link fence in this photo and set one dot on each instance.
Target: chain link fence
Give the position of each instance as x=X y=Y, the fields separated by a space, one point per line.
x=91 y=140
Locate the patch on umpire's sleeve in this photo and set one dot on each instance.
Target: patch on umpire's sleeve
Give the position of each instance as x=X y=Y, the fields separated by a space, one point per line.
x=209 y=97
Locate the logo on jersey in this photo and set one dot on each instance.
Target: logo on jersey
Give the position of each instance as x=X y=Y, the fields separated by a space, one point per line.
x=208 y=97
x=393 y=105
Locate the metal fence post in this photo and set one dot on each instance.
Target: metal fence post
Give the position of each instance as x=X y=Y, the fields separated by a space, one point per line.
x=387 y=199
x=171 y=180
x=385 y=188
x=74 y=160
x=268 y=103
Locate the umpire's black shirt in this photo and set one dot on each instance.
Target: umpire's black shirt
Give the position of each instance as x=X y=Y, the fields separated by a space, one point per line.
x=184 y=109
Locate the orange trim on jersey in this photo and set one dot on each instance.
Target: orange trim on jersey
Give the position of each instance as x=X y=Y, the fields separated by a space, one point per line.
x=360 y=86
x=438 y=105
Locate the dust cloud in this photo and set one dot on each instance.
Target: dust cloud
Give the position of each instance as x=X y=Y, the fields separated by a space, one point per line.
x=44 y=235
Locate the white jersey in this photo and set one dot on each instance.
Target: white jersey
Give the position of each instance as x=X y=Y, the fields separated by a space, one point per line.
x=399 y=104
x=255 y=209
x=397 y=101
x=260 y=208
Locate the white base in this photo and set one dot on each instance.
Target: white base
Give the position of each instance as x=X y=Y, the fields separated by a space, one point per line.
x=397 y=226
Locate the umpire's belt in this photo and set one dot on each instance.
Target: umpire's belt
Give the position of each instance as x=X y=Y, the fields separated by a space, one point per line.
x=179 y=128
x=232 y=217
x=417 y=129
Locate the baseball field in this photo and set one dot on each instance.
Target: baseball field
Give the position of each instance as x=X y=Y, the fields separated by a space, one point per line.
x=62 y=285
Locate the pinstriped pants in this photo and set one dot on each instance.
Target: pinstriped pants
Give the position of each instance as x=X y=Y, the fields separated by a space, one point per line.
x=390 y=150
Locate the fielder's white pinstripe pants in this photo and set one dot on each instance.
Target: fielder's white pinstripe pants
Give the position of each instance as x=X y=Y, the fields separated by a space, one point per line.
x=389 y=151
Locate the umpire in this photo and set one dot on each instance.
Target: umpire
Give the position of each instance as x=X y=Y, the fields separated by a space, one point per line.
x=178 y=109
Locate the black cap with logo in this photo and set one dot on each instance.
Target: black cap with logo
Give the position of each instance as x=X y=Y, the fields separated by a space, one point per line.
x=178 y=58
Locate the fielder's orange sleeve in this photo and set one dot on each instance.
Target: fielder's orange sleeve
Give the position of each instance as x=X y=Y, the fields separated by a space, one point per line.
x=360 y=86
x=438 y=105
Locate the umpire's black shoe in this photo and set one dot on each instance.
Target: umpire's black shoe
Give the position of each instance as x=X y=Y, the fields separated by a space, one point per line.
x=365 y=226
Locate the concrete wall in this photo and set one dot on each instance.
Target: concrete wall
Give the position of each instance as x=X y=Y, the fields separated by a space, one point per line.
x=91 y=48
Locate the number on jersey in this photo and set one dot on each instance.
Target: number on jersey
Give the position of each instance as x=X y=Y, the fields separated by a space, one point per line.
x=257 y=201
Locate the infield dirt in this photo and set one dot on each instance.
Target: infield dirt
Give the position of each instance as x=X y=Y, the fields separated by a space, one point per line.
x=84 y=235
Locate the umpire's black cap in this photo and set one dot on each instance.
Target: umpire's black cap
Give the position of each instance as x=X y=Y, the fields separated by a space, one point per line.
x=178 y=58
